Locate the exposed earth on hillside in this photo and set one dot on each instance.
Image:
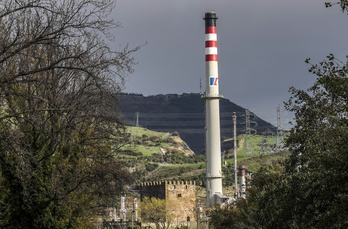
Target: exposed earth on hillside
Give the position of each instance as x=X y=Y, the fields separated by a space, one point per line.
x=185 y=114
x=180 y=146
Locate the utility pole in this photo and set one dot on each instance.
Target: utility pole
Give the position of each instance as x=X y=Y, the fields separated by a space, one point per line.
x=247 y=131
x=235 y=153
x=279 y=139
x=137 y=119
x=200 y=86
x=262 y=145
x=132 y=218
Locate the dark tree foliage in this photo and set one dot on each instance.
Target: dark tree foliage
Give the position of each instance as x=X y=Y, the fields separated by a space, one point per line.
x=317 y=169
x=226 y=217
x=342 y=3
x=59 y=123
x=258 y=210
x=310 y=188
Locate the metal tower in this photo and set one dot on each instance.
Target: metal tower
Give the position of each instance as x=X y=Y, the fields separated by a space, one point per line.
x=248 y=146
x=279 y=141
x=235 y=153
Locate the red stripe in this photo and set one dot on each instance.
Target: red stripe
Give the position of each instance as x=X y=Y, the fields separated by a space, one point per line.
x=211 y=29
x=210 y=44
x=211 y=57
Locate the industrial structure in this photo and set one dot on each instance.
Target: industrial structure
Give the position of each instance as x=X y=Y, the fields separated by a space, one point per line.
x=113 y=217
x=212 y=113
x=242 y=181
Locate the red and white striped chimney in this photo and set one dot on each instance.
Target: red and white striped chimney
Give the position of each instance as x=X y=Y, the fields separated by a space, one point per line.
x=212 y=97
x=210 y=42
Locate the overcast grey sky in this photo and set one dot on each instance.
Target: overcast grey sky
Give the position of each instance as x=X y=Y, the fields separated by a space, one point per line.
x=262 y=46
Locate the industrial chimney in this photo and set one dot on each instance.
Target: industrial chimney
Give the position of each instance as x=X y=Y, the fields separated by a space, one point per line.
x=242 y=183
x=212 y=112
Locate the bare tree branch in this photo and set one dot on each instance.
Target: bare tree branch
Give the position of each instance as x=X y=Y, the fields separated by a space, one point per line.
x=59 y=115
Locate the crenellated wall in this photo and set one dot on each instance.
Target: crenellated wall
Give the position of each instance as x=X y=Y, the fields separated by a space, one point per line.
x=180 y=197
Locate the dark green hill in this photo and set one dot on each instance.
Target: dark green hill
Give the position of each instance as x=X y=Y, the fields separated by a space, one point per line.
x=185 y=114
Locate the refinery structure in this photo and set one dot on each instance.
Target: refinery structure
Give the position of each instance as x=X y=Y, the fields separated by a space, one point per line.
x=180 y=196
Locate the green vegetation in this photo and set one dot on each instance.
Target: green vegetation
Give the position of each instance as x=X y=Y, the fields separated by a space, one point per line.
x=153 y=210
x=146 y=142
x=146 y=134
x=151 y=163
x=59 y=130
x=259 y=144
x=255 y=163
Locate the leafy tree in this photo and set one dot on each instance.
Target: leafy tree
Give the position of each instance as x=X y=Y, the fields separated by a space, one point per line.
x=319 y=144
x=154 y=210
x=258 y=209
x=308 y=190
x=59 y=123
x=343 y=4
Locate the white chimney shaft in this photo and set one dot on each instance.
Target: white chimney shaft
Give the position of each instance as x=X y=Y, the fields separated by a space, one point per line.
x=212 y=111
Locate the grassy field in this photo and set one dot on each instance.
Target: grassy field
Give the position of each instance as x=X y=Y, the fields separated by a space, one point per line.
x=257 y=144
x=255 y=163
x=196 y=165
x=146 y=142
x=139 y=132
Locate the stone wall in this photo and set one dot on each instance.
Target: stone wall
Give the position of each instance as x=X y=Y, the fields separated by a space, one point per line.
x=180 y=198
x=153 y=189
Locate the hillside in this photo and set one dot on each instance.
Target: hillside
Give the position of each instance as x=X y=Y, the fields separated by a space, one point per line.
x=158 y=156
x=184 y=114
x=145 y=142
x=165 y=156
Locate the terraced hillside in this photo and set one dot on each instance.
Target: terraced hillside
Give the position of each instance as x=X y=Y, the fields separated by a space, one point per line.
x=165 y=156
x=185 y=115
